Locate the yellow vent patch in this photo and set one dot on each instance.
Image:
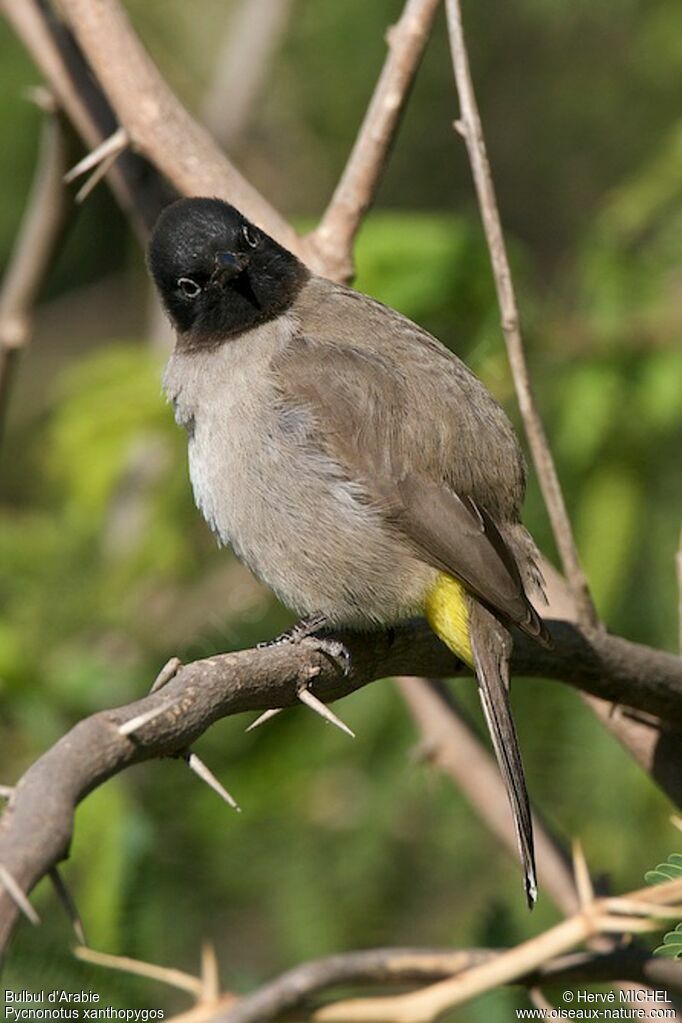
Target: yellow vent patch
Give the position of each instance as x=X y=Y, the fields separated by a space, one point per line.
x=447 y=613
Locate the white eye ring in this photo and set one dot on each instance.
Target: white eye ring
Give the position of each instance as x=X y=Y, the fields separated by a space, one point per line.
x=249 y=237
x=189 y=287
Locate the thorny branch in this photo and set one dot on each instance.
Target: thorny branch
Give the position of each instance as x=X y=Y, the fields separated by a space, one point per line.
x=35 y=830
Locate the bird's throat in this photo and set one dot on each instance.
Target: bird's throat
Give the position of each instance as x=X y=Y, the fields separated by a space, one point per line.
x=447 y=612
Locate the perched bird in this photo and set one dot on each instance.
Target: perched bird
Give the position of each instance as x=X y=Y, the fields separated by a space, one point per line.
x=354 y=463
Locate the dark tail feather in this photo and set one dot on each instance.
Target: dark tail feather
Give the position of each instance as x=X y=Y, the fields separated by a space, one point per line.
x=491 y=647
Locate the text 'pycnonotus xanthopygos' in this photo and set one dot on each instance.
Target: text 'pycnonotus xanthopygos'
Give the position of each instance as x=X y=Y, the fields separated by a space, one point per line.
x=355 y=464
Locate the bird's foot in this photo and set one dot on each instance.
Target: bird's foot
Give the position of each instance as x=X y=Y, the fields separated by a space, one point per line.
x=304 y=629
x=305 y=632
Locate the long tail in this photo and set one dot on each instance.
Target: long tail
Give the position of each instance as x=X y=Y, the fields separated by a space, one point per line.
x=476 y=637
x=491 y=647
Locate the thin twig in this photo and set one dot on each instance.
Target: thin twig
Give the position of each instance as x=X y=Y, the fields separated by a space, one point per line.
x=471 y=129
x=455 y=748
x=166 y=975
x=335 y=234
x=34 y=250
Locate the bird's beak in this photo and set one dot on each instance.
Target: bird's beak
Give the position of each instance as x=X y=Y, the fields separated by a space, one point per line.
x=229 y=264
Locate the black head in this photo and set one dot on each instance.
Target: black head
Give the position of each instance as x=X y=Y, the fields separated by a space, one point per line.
x=217 y=273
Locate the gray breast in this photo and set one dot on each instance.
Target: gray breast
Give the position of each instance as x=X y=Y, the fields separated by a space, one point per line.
x=266 y=488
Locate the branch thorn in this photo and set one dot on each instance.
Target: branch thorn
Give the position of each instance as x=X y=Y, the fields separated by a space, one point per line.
x=581 y=874
x=265 y=716
x=202 y=771
x=18 y=896
x=69 y=905
x=141 y=719
x=210 y=980
x=306 y=697
x=112 y=146
x=100 y=172
x=168 y=672
x=42 y=97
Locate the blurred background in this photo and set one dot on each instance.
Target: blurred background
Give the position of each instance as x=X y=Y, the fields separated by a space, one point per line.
x=106 y=569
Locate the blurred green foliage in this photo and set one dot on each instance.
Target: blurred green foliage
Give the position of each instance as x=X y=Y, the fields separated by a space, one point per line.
x=107 y=569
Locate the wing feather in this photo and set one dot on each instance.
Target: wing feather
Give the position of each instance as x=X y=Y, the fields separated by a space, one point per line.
x=360 y=404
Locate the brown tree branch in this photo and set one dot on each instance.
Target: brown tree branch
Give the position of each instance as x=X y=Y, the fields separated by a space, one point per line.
x=470 y=127
x=137 y=187
x=294 y=990
x=34 y=249
x=158 y=125
x=335 y=235
x=452 y=745
x=633 y=914
x=35 y=830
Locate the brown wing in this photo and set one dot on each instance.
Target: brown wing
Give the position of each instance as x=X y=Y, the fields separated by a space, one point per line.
x=365 y=419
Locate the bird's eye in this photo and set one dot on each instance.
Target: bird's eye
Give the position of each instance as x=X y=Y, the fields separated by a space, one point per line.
x=189 y=287
x=249 y=236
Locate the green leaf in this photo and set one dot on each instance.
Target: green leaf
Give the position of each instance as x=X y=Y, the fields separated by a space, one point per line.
x=672 y=944
x=668 y=871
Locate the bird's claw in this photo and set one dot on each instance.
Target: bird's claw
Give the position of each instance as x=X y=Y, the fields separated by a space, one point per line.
x=304 y=632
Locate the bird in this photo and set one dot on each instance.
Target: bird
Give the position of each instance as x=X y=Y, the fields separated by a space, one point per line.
x=352 y=461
